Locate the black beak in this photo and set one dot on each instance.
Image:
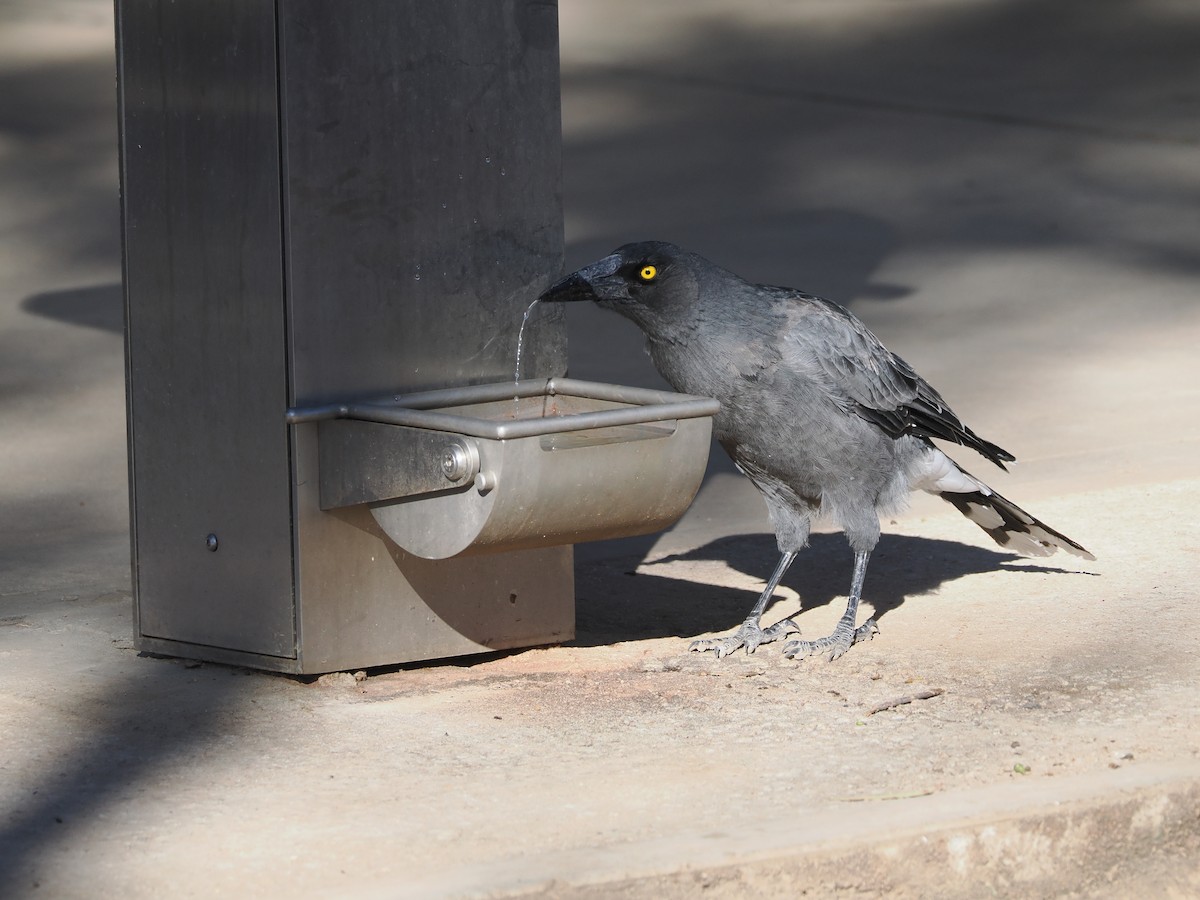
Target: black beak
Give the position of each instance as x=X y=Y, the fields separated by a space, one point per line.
x=573 y=287
x=600 y=281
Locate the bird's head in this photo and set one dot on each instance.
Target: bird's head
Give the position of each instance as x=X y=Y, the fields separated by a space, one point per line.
x=644 y=281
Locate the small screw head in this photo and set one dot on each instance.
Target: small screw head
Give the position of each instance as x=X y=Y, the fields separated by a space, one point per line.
x=211 y=542
x=455 y=462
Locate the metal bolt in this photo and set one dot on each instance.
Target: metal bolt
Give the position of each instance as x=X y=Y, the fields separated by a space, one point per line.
x=211 y=542
x=455 y=462
x=459 y=460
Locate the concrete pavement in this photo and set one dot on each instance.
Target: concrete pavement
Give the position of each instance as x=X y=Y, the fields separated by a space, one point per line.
x=1005 y=192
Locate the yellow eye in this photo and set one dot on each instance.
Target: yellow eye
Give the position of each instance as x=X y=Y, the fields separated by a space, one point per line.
x=648 y=273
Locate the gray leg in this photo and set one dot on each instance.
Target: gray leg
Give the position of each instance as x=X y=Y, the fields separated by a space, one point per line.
x=845 y=634
x=750 y=635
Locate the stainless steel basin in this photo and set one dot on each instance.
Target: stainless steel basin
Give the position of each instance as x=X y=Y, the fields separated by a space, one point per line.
x=473 y=469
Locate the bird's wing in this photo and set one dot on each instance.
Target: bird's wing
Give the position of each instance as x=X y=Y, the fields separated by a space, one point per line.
x=874 y=382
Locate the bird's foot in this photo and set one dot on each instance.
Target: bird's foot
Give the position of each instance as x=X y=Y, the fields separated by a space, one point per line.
x=750 y=636
x=833 y=646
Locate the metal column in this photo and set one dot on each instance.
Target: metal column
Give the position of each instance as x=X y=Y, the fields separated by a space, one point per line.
x=319 y=201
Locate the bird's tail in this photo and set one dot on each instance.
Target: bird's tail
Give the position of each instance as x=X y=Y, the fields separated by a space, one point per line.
x=1010 y=526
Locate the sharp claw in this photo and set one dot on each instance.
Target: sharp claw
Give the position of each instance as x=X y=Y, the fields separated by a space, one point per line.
x=866 y=631
x=750 y=636
x=832 y=647
x=781 y=629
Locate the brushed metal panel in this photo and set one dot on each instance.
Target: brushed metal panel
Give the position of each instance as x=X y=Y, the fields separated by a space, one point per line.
x=206 y=356
x=422 y=161
x=415 y=216
x=364 y=602
x=423 y=215
x=364 y=462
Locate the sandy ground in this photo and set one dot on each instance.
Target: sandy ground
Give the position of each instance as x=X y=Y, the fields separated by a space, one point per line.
x=625 y=757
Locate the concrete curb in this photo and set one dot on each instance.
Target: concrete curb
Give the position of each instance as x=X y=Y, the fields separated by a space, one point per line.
x=1078 y=836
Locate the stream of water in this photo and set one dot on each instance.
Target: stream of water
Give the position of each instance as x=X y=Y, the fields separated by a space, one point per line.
x=520 y=347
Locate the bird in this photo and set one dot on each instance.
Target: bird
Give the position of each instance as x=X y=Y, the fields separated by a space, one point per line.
x=821 y=417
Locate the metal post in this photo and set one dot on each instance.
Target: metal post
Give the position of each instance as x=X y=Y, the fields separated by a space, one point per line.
x=324 y=201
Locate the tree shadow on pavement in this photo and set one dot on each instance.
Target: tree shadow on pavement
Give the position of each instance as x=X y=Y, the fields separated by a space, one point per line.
x=96 y=306
x=617 y=601
x=132 y=730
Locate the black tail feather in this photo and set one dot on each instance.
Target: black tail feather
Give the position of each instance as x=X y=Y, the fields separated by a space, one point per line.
x=1011 y=527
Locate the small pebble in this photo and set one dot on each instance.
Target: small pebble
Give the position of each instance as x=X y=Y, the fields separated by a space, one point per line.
x=337 y=680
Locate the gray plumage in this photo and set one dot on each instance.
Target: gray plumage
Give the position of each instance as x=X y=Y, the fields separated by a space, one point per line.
x=821 y=416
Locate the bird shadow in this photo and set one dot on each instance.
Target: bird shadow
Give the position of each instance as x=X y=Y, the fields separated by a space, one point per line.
x=624 y=599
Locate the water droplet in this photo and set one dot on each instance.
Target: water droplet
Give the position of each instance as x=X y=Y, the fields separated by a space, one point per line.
x=502 y=172
x=488 y=160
